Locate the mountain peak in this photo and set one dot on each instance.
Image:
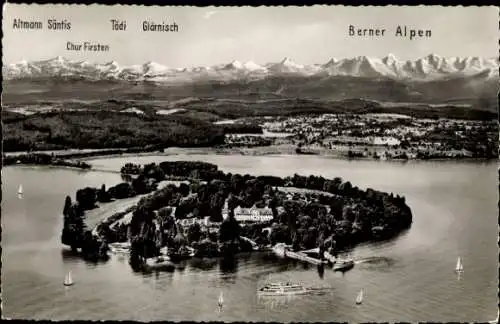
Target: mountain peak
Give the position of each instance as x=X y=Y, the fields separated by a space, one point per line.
x=58 y=59
x=288 y=61
x=234 y=65
x=330 y=62
x=433 y=57
x=390 y=59
x=251 y=65
x=154 y=64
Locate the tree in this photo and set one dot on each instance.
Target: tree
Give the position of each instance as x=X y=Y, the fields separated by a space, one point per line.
x=280 y=234
x=86 y=198
x=293 y=209
x=67 y=205
x=184 y=189
x=121 y=191
x=139 y=185
x=103 y=195
x=73 y=227
x=194 y=233
x=137 y=259
x=345 y=187
x=229 y=230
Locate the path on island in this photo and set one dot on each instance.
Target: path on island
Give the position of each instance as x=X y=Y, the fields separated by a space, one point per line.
x=106 y=210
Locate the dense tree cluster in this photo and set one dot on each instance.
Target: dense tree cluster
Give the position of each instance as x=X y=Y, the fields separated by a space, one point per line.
x=75 y=233
x=43 y=159
x=107 y=129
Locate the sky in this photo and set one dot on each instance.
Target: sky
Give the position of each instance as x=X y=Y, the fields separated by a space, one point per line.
x=214 y=35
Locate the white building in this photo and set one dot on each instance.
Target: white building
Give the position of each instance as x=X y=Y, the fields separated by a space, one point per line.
x=253 y=214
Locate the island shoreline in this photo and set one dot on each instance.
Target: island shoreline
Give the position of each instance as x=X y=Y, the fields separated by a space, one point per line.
x=294 y=206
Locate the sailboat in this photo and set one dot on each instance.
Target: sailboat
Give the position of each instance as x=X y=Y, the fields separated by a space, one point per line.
x=20 y=190
x=359 y=298
x=221 y=300
x=459 y=268
x=68 y=281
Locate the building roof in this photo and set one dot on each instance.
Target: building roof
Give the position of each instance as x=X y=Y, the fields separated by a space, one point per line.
x=254 y=210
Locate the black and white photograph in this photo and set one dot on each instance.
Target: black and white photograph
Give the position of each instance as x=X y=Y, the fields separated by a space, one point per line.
x=250 y=164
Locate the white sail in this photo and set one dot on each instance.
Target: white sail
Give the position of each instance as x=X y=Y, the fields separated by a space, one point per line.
x=221 y=299
x=359 y=298
x=459 y=267
x=20 y=190
x=68 y=281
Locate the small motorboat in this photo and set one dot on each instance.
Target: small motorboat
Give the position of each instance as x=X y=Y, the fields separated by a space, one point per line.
x=280 y=289
x=119 y=248
x=359 y=297
x=343 y=265
x=184 y=253
x=20 y=190
x=160 y=263
x=68 y=281
x=280 y=249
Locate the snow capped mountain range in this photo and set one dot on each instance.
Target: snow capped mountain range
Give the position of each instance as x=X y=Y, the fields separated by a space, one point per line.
x=431 y=67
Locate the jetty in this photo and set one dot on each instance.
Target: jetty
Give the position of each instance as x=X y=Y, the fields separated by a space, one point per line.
x=303 y=257
x=282 y=250
x=330 y=258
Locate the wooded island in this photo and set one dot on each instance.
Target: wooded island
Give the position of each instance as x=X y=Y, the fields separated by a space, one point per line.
x=202 y=211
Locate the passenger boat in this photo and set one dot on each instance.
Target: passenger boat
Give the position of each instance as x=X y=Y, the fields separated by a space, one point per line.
x=160 y=263
x=343 y=265
x=119 y=248
x=280 y=289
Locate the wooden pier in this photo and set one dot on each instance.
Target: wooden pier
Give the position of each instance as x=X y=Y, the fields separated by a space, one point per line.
x=302 y=257
x=330 y=258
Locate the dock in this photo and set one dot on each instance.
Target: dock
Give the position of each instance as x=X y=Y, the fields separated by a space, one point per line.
x=302 y=257
x=326 y=255
x=329 y=257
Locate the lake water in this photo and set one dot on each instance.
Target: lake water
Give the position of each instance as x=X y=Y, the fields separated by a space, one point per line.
x=410 y=278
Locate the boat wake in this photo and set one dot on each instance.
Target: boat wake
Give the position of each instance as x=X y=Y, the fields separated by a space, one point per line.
x=376 y=261
x=319 y=291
